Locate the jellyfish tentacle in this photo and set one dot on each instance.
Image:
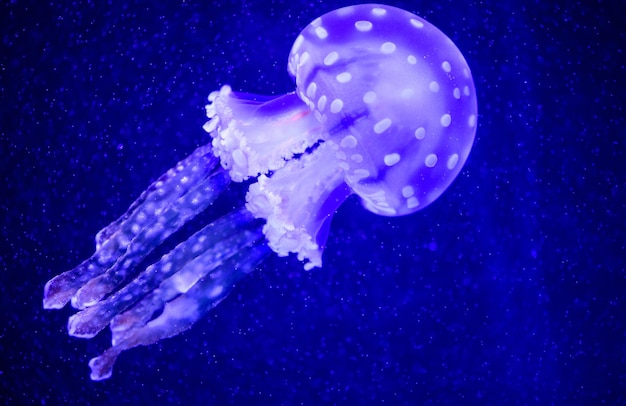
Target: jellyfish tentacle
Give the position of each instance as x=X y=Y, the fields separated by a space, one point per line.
x=181 y=267
x=182 y=312
x=174 y=216
x=184 y=269
x=166 y=188
x=113 y=240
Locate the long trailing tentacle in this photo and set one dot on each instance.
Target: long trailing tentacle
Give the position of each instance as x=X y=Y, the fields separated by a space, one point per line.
x=179 y=212
x=166 y=188
x=172 y=200
x=181 y=267
x=182 y=312
x=185 y=283
x=185 y=275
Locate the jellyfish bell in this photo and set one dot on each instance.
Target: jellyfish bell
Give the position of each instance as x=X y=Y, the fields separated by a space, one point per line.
x=398 y=98
x=384 y=108
x=391 y=103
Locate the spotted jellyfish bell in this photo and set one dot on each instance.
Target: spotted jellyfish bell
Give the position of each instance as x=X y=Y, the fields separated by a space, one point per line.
x=395 y=116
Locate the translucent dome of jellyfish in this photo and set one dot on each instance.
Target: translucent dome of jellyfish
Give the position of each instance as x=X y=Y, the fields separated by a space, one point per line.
x=384 y=108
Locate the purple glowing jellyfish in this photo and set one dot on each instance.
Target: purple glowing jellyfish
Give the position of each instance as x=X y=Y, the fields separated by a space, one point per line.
x=384 y=108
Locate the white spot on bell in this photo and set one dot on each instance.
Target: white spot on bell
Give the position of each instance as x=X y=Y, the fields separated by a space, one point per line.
x=304 y=58
x=349 y=141
x=420 y=133
x=379 y=11
x=321 y=32
x=344 y=77
x=411 y=59
x=445 y=120
x=369 y=97
x=297 y=43
x=321 y=103
x=452 y=161
x=310 y=90
x=431 y=160
x=412 y=202
x=471 y=120
x=391 y=159
x=408 y=191
x=456 y=93
x=433 y=86
x=388 y=48
x=363 y=25
x=382 y=125
x=445 y=65
x=331 y=58
x=417 y=23
x=336 y=106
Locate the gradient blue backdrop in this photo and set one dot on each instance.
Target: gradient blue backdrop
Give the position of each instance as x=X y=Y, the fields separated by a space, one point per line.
x=510 y=289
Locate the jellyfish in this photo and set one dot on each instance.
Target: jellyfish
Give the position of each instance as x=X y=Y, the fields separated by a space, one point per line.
x=384 y=108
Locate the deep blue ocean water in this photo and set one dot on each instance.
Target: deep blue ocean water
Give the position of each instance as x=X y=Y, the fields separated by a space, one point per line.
x=510 y=289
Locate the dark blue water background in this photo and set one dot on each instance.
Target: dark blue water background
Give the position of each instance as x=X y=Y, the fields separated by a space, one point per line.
x=510 y=289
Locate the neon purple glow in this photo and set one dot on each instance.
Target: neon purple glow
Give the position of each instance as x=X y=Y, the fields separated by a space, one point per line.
x=384 y=108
